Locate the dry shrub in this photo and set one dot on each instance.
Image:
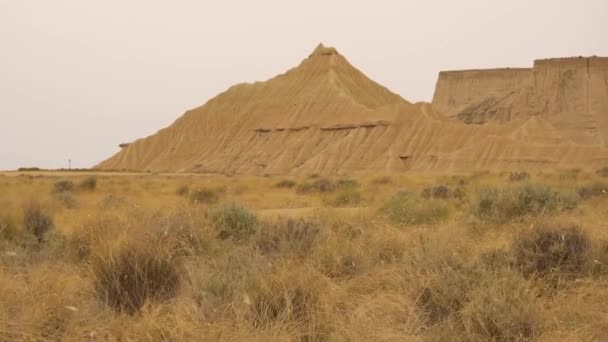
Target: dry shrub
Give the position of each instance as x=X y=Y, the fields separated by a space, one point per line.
x=67 y=199
x=64 y=186
x=286 y=184
x=234 y=221
x=129 y=275
x=518 y=176
x=405 y=208
x=8 y=227
x=596 y=189
x=183 y=190
x=384 y=180
x=603 y=172
x=205 y=196
x=548 y=250
x=37 y=220
x=88 y=184
x=289 y=236
x=321 y=185
x=290 y=296
x=437 y=192
x=348 y=197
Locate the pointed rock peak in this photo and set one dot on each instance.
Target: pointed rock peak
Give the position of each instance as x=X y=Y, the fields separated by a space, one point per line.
x=323 y=50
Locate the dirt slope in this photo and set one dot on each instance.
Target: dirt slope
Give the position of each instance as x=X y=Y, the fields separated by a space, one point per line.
x=326 y=117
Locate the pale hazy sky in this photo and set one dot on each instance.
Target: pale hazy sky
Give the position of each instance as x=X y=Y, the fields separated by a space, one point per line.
x=79 y=77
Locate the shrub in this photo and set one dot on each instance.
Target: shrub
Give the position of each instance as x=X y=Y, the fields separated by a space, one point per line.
x=204 y=196
x=234 y=221
x=406 y=209
x=37 y=221
x=321 y=185
x=286 y=183
x=593 y=190
x=518 y=176
x=345 y=198
x=603 y=172
x=385 y=180
x=438 y=192
x=127 y=278
x=88 y=184
x=531 y=199
x=64 y=186
x=67 y=199
x=346 y=184
x=183 y=190
x=549 y=249
x=288 y=236
x=8 y=228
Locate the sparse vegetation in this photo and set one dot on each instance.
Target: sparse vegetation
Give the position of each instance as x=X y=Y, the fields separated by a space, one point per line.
x=64 y=186
x=350 y=261
x=518 y=176
x=88 y=184
x=286 y=184
x=37 y=220
x=603 y=172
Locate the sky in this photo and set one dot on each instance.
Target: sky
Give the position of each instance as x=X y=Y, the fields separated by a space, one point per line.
x=77 y=78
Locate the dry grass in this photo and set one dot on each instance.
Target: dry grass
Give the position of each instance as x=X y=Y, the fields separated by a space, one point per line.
x=195 y=258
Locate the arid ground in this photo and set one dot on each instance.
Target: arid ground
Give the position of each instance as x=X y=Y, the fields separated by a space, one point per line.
x=139 y=257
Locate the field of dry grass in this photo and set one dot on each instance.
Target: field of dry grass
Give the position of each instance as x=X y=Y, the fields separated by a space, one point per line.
x=144 y=257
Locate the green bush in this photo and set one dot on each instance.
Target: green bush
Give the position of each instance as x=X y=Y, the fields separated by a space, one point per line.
x=494 y=204
x=233 y=221
x=406 y=208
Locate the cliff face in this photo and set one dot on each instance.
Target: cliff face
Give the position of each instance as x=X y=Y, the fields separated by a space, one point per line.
x=325 y=116
x=458 y=90
x=570 y=93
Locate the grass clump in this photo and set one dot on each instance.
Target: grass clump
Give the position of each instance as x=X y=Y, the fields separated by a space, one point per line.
x=406 y=208
x=64 y=186
x=37 y=221
x=234 y=221
x=288 y=236
x=384 y=180
x=494 y=204
x=128 y=276
x=546 y=250
x=285 y=184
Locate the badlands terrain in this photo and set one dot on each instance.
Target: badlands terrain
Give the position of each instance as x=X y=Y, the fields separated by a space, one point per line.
x=326 y=117
x=320 y=206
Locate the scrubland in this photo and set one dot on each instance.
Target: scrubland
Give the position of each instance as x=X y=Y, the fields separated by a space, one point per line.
x=462 y=257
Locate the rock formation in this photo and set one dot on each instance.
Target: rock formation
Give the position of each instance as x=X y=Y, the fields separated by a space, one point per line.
x=327 y=117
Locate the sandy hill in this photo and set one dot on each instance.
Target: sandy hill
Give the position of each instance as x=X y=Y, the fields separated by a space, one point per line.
x=325 y=116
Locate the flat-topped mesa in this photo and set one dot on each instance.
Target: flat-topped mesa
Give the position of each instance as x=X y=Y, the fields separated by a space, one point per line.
x=457 y=90
x=581 y=62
